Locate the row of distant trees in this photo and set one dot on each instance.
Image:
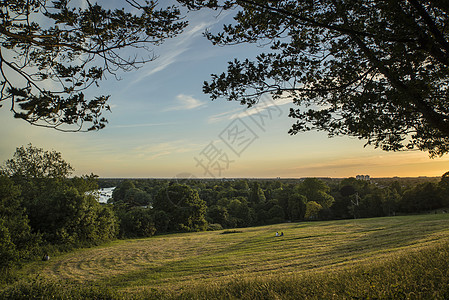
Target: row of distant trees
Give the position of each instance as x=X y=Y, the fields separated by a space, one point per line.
x=242 y=203
x=44 y=210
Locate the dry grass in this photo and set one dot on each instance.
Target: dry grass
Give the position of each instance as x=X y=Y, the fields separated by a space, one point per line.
x=185 y=261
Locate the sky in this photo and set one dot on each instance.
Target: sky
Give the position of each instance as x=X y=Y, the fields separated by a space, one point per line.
x=163 y=126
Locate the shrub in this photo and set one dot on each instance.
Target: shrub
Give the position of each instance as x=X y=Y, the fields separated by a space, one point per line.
x=214 y=227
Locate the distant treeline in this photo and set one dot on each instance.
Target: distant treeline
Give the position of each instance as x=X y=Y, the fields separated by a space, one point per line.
x=162 y=204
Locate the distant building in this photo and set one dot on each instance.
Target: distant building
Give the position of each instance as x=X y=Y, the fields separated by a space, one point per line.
x=363 y=177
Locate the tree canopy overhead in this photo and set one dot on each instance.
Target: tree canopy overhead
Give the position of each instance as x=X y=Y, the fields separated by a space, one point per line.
x=51 y=51
x=376 y=70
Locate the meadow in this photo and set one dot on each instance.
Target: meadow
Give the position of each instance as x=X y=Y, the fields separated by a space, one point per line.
x=403 y=257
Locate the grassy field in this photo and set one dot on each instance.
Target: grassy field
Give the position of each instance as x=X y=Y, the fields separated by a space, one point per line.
x=395 y=257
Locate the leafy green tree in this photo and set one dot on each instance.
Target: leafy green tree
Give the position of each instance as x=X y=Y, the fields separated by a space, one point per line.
x=396 y=186
x=32 y=162
x=60 y=45
x=119 y=193
x=224 y=202
x=316 y=190
x=372 y=204
x=376 y=70
x=137 y=222
x=348 y=195
x=209 y=195
x=242 y=186
x=183 y=206
x=8 y=252
x=347 y=190
x=162 y=221
x=57 y=206
x=16 y=239
x=218 y=215
x=340 y=208
x=390 y=202
x=85 y=183
x=107 y=222
x=444 y=187
x=262 y=216
x=423 y=197
x=343 y=194
x=256 y=195
x=312 y=210
x=276 y=214
x=296 y=207
x=70 y=218
x=137 y=197
x=240 y=214
x=281 y=195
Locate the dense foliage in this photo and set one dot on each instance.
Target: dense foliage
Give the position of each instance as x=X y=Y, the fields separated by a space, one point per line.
x=16 y=238
x=245 y=202
x=376 y=70
x=42 y=210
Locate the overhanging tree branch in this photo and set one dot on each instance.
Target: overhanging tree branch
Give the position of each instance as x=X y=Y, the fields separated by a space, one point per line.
x=433 y=117
x=402 y=102
x=75 y=52
x=433 y=28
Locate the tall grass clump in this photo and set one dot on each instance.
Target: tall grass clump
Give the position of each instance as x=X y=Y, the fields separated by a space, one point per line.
x=41 y=288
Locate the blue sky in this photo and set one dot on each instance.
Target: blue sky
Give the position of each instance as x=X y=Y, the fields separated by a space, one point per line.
x=162 y=125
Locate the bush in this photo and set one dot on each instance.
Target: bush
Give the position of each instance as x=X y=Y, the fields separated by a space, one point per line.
x=8 y=252
x=16 y=239
x=214 y=227
x=137 y=222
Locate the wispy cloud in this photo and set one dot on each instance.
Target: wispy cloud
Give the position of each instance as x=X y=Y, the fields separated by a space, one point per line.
x=227 y=115
x=151 y=152
x=141 y=125
x=186 y=102
x=239 y=113
x=173 y=49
